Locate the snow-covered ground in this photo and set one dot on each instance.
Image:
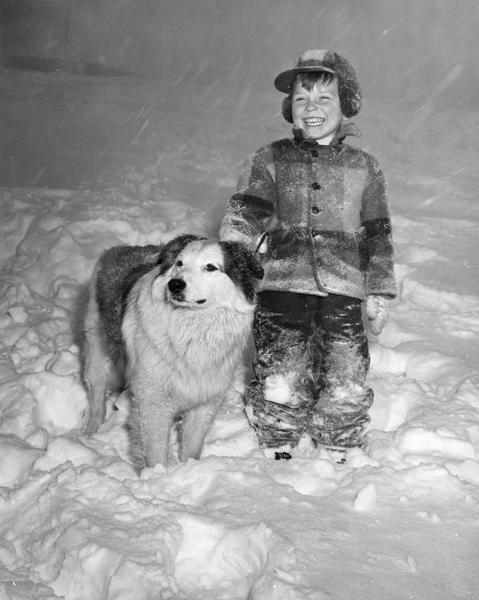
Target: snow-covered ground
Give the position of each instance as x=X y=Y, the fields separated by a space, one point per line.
x=399 y=521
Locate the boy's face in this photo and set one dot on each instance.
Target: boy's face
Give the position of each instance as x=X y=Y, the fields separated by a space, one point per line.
x=317 y=111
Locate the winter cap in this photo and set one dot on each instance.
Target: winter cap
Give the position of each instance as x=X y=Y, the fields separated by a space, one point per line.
x=327 y=61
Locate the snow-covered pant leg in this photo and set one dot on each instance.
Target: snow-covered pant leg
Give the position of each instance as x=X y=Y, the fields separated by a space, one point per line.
x=341 y=412
x=310 y=367
x=280 y=397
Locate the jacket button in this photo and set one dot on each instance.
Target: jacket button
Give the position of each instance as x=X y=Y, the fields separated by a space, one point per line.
x=315 y=209
x=316 y=186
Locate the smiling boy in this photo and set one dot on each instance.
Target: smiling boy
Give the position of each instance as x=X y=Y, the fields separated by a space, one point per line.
x=317 y=211
x=316 y=108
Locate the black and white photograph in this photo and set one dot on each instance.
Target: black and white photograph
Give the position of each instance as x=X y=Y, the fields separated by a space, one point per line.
x=239 y=300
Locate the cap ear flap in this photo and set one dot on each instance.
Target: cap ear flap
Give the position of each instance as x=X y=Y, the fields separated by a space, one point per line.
x=170 y=251
x=287 y=108
x=349 y=90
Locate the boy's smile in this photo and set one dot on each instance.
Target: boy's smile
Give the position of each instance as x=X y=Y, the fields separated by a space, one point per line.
x=317 y=111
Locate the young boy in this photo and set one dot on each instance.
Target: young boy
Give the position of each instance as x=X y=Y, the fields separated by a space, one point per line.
x=316 y=209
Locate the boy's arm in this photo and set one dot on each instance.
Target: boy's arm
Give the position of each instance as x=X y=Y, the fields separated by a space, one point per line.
x=252 y=207
x=375 y=219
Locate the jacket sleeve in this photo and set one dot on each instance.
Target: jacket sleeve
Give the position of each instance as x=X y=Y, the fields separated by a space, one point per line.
x=379 y=246
x=252 y=207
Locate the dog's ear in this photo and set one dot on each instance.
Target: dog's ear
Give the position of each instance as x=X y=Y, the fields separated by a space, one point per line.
x=242 y=267
x=170 y=251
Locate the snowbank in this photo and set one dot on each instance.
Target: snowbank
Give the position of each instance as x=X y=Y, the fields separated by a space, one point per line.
x=78 y=522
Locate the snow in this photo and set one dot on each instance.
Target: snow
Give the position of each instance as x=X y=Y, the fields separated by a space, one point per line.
x=365 y=501
x=398 y=520
x=277 y=388
x=78 y=521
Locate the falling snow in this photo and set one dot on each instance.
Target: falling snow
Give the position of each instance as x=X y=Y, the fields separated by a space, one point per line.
x=91 y=161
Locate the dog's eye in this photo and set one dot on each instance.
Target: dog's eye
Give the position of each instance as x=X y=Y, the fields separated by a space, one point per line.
x=211 y=267
x=179 y=263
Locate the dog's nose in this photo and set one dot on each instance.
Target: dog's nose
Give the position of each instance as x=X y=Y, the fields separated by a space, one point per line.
x=176 y=285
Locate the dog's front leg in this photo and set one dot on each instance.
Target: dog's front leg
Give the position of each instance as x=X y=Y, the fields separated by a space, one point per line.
x=98 y=374
x=155 y=419
x=195 y=426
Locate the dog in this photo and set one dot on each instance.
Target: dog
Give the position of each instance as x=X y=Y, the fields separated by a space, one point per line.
x=169 y=324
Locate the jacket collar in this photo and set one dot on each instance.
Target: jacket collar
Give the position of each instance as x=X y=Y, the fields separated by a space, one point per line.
x=344 y=130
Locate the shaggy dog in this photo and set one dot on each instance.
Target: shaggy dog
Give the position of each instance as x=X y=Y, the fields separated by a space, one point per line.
x=170 y=324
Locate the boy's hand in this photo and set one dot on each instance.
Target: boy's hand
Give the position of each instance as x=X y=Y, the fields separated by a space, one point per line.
x=377 y=309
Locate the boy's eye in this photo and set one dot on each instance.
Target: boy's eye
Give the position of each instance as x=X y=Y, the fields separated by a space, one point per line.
x=211 y=267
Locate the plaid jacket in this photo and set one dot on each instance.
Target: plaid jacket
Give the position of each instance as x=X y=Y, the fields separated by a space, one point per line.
x=324 y=216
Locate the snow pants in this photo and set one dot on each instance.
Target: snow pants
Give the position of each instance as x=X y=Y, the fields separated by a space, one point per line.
x=310 y=367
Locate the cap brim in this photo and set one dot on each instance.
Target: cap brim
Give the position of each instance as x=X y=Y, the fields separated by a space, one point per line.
x=284 y=80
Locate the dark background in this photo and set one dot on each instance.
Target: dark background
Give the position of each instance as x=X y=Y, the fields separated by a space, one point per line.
x=89 y=87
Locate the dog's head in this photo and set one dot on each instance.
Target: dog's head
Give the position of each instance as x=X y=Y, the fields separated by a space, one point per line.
x=198 y=273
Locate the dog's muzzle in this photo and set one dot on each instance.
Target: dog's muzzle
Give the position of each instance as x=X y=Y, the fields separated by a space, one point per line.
x=176 y=287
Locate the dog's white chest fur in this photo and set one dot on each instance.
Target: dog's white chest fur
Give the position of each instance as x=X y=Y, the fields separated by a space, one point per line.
x=189 y=353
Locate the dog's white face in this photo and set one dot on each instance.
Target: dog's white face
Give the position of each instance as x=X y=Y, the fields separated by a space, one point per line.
x=197 y=280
